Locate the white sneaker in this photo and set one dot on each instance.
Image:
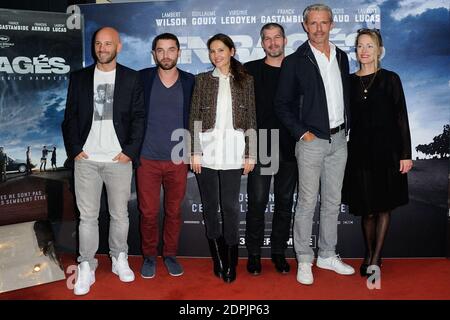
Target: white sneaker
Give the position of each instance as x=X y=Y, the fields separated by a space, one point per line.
x=85 y=279
x=304 y=273
x=121 y=268
x=335 y=264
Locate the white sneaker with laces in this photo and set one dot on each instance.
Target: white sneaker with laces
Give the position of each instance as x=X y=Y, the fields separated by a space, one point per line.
x=304 y=273
x=335 y=264
x=85 y=279
x=121 y=268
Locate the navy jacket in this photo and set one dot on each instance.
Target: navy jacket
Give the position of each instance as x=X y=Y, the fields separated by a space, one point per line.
x=128 y=111
x=187 y=82
x=300 y=102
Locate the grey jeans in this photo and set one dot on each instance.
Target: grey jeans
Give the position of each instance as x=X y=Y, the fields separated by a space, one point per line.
x=320 y=164
x=89 y=179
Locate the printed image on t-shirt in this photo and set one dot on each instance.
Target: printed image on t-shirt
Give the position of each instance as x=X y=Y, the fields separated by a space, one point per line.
x=103 y=102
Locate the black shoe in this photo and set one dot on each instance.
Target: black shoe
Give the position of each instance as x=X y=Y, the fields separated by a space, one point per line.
x=254 y=264
x=215 y=246
x=230 y=263
x=378 y=264
x=281 y=265
x=363 y=269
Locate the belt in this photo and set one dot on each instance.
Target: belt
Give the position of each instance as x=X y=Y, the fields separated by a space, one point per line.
x=337 y=129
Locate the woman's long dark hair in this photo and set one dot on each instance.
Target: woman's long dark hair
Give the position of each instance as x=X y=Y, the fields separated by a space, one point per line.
x=236 y=68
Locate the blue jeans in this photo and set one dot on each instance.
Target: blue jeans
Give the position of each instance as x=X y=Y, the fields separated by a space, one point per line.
x=320 y=163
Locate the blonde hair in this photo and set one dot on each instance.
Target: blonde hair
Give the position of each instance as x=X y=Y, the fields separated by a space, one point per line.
x=375 y=35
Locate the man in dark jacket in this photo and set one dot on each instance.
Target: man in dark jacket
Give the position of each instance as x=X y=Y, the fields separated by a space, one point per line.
x=167 y=98
x=103 y=145
x=276 y=157
x=312 y=102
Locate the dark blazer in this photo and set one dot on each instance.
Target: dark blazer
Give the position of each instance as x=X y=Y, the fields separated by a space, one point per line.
x=128 y=111
x=301 y=102
x=187 y=82
x=204 y=107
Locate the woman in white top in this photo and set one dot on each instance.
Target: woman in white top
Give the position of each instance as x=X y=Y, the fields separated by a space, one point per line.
x=223 y=131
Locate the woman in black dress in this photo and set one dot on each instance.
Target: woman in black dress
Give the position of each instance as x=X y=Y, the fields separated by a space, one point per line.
x=379 y=149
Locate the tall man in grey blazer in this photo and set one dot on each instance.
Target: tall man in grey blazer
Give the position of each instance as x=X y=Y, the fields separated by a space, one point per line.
x=103 y=130
x=312 y=102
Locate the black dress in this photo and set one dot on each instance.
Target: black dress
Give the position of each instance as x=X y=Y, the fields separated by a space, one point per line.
x=379 y=139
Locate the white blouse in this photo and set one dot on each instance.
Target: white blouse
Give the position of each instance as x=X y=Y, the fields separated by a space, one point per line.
x=223 y=147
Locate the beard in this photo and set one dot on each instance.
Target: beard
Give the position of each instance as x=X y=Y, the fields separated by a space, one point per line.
x=166 y=64
x=105 y=59
x=275 y=53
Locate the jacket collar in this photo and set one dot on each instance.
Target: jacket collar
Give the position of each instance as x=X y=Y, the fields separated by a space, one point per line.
x=305 y=50
x=153 y=71
x=216 y=73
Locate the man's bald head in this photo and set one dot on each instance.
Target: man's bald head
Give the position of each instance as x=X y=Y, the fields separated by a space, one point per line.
x=108 y=32
x=107 y=45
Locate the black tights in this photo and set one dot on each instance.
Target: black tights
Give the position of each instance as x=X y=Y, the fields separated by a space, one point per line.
x=375 y=227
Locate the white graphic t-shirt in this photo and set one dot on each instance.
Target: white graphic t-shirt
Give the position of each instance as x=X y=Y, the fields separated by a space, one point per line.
x=102 y=144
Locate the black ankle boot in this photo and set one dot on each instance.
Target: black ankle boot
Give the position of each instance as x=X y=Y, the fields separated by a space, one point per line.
x=215 y=248
x=231 y=262
x=254 y=264
x=365 y=264
x=281 y=265
x=378 y=264
x=363 y=269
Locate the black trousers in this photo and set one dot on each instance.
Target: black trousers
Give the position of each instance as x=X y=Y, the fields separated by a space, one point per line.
x=258 y=189
x=221 y=186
